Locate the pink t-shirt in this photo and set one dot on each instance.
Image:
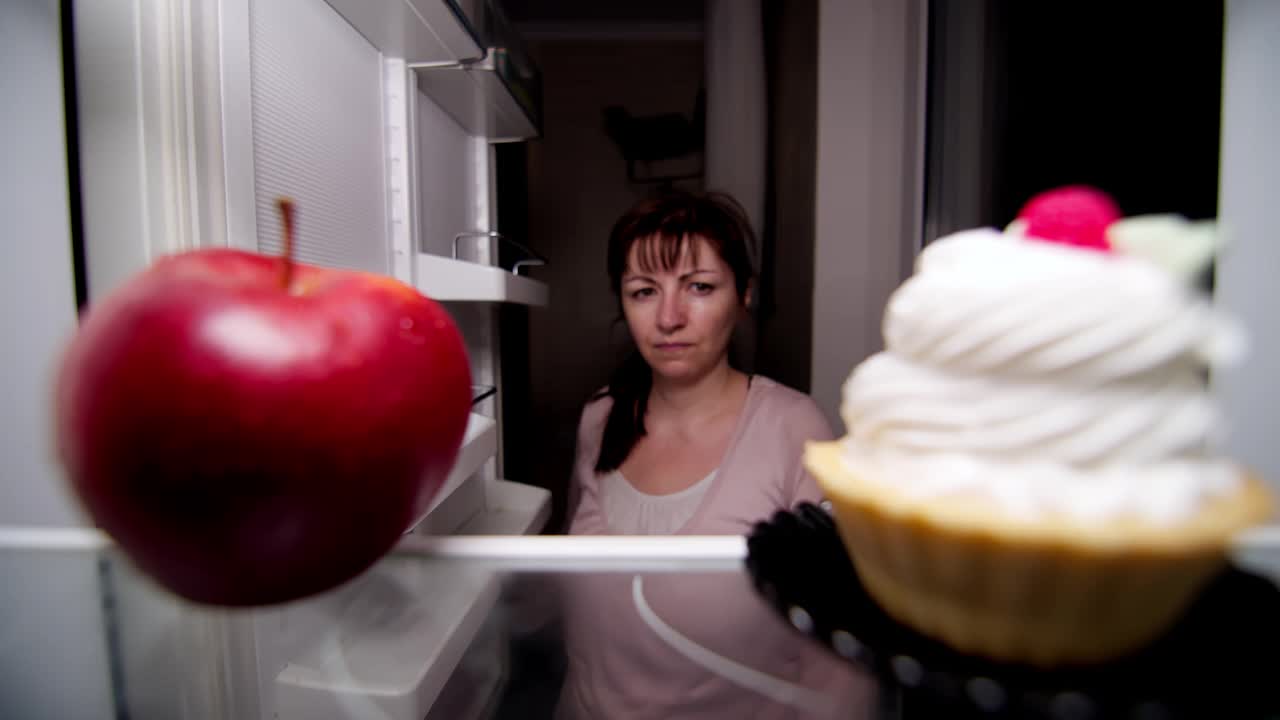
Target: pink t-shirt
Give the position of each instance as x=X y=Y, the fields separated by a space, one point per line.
x=620 y=666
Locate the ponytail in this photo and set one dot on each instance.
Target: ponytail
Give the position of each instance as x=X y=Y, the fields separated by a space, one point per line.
x=629 y=387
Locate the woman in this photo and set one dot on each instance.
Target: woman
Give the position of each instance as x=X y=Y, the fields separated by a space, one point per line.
x=683 y=443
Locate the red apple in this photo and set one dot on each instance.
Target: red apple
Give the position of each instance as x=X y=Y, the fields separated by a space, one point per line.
x=250 y=430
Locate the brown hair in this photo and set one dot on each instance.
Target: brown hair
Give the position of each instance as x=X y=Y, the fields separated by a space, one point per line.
x=666 y=224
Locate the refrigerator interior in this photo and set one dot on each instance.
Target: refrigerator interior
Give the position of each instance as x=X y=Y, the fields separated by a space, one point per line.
x=190 y=118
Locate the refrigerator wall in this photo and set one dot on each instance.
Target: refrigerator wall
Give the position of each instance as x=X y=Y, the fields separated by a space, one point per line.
x=1249 y=174
x=194 y=116
x=36 y=277
x=54 y=661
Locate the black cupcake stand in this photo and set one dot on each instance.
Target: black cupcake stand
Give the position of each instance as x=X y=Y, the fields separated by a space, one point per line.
x=1222 y=660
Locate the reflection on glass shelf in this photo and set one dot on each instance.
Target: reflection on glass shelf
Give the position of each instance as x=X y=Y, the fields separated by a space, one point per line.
x=427 y=632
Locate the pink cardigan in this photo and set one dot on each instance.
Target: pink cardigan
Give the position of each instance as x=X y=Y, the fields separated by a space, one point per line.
x=619 y=666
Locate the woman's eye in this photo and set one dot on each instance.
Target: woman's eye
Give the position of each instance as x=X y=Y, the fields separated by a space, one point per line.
x=641 y=293
x=702 y=288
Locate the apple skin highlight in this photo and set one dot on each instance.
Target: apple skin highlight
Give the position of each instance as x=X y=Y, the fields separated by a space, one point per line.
x=249 y=437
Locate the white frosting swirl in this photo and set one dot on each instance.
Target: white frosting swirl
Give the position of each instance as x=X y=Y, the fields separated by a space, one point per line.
x=1053 y=378
x=982 y=301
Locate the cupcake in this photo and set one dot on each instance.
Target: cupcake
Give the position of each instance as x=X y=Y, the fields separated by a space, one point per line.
x=1029 y=472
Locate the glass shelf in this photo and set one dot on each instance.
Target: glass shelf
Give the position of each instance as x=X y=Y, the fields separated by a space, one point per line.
x=482 y=392
x=485 y=626
x=439 y=626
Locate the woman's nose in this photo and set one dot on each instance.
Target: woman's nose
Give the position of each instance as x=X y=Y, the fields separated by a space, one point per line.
x=671 y=313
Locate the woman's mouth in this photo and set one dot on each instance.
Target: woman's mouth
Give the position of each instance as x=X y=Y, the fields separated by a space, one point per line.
x=673 y=346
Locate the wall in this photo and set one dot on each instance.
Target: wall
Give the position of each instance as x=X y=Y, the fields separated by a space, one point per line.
x=1250 y=174
x=869 y=177
x=786 y=272
x=577 y=187
x=737 y=122
x=55 y=659
x=36 y=284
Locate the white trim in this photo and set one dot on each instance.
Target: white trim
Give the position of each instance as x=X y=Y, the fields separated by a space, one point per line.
x=140 y=110
x=191 y=170
x=483 y=212
x=392 y=118
x=237 y=125
x=163 y=76
x=412 y=115
x=1245 y=272
x=490 y=366
x=204 y=125
x=53 y=539
x=398 y=124
x=564 y=553
x=134 y=72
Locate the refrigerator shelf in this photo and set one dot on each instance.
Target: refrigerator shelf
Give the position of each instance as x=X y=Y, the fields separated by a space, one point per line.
x=416 y=30
x=442 y=278
x=478 y=445
x=513 y=509
x=393 y=647
x=397 y=640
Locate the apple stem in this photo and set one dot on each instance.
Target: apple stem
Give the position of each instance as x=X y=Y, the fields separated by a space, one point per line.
x=286 y=267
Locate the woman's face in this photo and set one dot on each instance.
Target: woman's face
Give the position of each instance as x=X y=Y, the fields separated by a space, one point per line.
x=681 y=319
